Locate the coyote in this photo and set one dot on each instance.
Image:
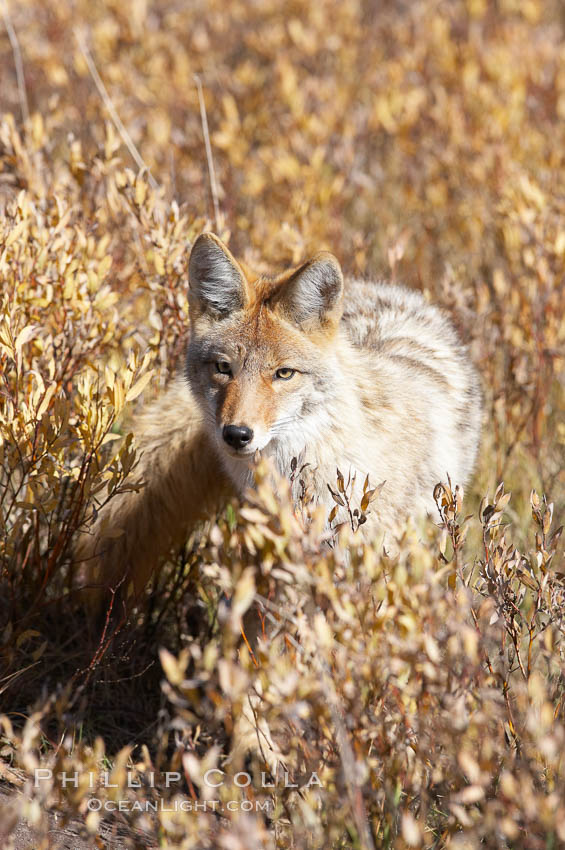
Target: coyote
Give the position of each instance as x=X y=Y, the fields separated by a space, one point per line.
x=360 y=376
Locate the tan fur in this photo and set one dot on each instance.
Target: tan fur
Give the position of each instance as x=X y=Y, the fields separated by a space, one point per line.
x=180 y=484
x=380 y=385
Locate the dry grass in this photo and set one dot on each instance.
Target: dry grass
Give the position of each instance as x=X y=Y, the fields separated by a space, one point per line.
x=424 y=141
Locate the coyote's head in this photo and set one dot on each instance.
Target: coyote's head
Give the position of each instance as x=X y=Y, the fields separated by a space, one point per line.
x=261 y=357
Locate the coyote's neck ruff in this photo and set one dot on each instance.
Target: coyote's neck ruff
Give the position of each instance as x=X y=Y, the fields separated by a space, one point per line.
x=365 y=377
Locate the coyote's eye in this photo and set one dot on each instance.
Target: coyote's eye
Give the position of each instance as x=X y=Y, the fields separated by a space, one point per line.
x=223 y=367
x=285 y=374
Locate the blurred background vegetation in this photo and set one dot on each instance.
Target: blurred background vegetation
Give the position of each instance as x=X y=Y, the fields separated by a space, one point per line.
x=420 y=141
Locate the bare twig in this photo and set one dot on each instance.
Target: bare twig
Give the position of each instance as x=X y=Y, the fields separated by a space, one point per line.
x=211 y=169
x=102 y=91
x=24 y=106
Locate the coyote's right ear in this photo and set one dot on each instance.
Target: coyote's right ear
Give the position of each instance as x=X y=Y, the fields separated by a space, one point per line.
x=217 y=283
x=312 y=297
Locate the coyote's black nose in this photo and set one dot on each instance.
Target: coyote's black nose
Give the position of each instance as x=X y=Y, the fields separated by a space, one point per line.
x=237 y=436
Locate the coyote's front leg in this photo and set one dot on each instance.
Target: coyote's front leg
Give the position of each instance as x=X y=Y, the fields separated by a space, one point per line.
x=180 y=483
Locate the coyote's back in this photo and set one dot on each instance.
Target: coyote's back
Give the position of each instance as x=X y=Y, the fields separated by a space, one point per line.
x=419 y=364
x=364 y=377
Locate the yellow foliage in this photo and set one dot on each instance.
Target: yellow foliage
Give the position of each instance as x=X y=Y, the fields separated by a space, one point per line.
x=421 y=141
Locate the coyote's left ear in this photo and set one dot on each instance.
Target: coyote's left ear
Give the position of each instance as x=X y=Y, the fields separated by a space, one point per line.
x=217 y=283
x=313 y=295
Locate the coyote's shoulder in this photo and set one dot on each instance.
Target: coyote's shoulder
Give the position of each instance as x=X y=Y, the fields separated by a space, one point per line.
x=358 y=375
